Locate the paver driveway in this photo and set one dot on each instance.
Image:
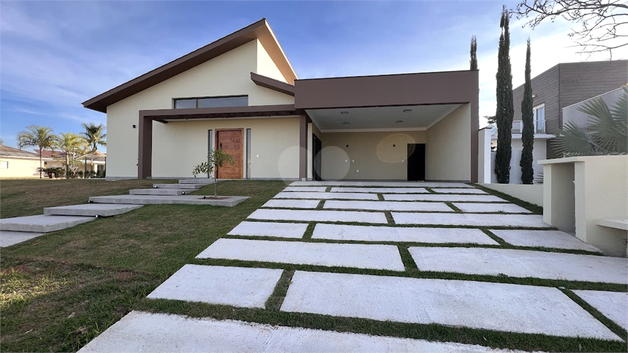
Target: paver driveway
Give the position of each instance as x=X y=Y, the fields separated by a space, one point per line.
x=447 y=254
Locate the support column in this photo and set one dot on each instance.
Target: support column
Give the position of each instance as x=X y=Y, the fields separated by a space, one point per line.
x=303 y=122
x=145 y=148
x=475 y=126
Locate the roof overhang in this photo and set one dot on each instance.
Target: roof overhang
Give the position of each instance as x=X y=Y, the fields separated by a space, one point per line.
x=273 y=84
x=254 y=111
x=259 y=30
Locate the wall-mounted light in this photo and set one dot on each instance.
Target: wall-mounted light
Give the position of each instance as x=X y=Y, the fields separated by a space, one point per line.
x=407 y=110
x=133 y=126
x=534 y=96
x=344 y=112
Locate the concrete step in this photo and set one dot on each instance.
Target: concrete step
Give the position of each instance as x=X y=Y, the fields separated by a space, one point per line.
x=201 y=181
x=8 y=238
x=90 y=209
x=161 y=192
x=227 y=201
x=42 y=223
x=178 y=186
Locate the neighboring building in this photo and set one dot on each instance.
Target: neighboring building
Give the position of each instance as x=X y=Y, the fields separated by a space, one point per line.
x=15 y=163
x=241 y=94
x=89 y=163
x=553 y=90
x=566 y=84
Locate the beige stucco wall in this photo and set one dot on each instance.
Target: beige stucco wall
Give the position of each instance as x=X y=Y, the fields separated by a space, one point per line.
x=274 y=146
x=226 y=75
x=448 y=147
x=369 y=155
x=19 y=168
x=532 y=193
x=579 y=192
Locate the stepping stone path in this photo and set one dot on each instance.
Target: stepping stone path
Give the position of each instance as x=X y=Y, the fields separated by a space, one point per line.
x=387 y=266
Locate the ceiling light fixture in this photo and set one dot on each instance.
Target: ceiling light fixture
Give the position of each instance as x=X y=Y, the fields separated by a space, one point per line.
x=407 y=110
x=344 y=112
x=399 y=121
x=345 y=123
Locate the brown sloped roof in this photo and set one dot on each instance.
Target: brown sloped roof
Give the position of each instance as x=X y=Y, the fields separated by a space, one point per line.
x=258 y=30
x=6 y=151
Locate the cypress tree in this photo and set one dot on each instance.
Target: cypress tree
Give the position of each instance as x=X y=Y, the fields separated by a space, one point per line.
x=474 y=49
x=505 y=110
x=527 y=135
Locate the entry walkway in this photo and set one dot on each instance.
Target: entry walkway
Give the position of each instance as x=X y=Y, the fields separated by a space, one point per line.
x=446 y=254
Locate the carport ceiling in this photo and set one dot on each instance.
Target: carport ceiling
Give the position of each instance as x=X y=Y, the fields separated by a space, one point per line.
x=411 y=117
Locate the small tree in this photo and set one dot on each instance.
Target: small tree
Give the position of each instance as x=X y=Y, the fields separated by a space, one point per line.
x=39 y=136
x=473 y=53
x=505 y=110
x=73 y=146
x=216 y=160
x=527 y=135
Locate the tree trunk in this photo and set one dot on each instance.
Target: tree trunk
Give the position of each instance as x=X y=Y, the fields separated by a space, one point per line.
x=40 y=161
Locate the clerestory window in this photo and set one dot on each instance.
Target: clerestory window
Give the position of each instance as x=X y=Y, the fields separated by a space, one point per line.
x=211 y=102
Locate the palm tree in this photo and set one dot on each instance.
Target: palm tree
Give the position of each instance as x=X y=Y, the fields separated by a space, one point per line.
x=39 y=136
x=606 y=133
x=72 y=145
x=94 y=134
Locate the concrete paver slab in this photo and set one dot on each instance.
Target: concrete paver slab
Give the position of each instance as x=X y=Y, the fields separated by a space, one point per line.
x=522 y=263
x=237 y=286
x=227 y=201
x=90 y=210
x=613 y=305
x=270 y=229
x=42 y=223
x=401 y=234
x=292 y=203
x=459 y=191
x=319 y=216
x=544 y=238
x=443 y=197
x=178 y=186
x=305 y=188
x=503 y=307
x=326 y=195
x=409 y=184
x=8 y=238
x=464 y=219
x=384 y=257
x=388 y=206
x=381 y=190
x=490 y=207
x=157 y=191
x=151 y=332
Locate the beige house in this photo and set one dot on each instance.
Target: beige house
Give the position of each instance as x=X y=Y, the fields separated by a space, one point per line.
x=15 y=163
x=241 y=94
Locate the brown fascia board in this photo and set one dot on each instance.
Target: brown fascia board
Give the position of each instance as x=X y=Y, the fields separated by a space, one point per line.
x=258 y=30
x=273 y=84
x=449 y=87
x=220 y=112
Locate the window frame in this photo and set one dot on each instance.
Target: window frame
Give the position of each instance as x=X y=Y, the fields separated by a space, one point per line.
x=535 y=117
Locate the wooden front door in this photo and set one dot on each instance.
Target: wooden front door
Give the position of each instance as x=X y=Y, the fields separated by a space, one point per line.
x=230 y=141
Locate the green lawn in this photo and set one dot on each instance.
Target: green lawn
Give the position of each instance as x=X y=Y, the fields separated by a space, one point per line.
x=62 y=289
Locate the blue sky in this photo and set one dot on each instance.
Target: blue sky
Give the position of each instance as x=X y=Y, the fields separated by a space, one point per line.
x=56 y=54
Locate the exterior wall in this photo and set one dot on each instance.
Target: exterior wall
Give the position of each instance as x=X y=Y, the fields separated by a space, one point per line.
x=366 y=155
x=179 y=146
x=539 y=152
x=484 y=156
x=529 y=193
x=230 y=75
x=580 y=192
x=266 y=66
x=571 y=113
x=19 y=168
x=447 y=152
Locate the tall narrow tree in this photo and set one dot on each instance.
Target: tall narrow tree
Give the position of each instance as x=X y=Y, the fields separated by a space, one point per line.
x=527 y=134
x=505 y=110
x=474 y=57
x=39 y=136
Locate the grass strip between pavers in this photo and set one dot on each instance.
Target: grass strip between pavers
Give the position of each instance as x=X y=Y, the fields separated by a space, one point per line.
x=618 y=330
x=430 y=332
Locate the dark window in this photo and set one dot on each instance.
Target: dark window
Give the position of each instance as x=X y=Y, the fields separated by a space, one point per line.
x=211 y=102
